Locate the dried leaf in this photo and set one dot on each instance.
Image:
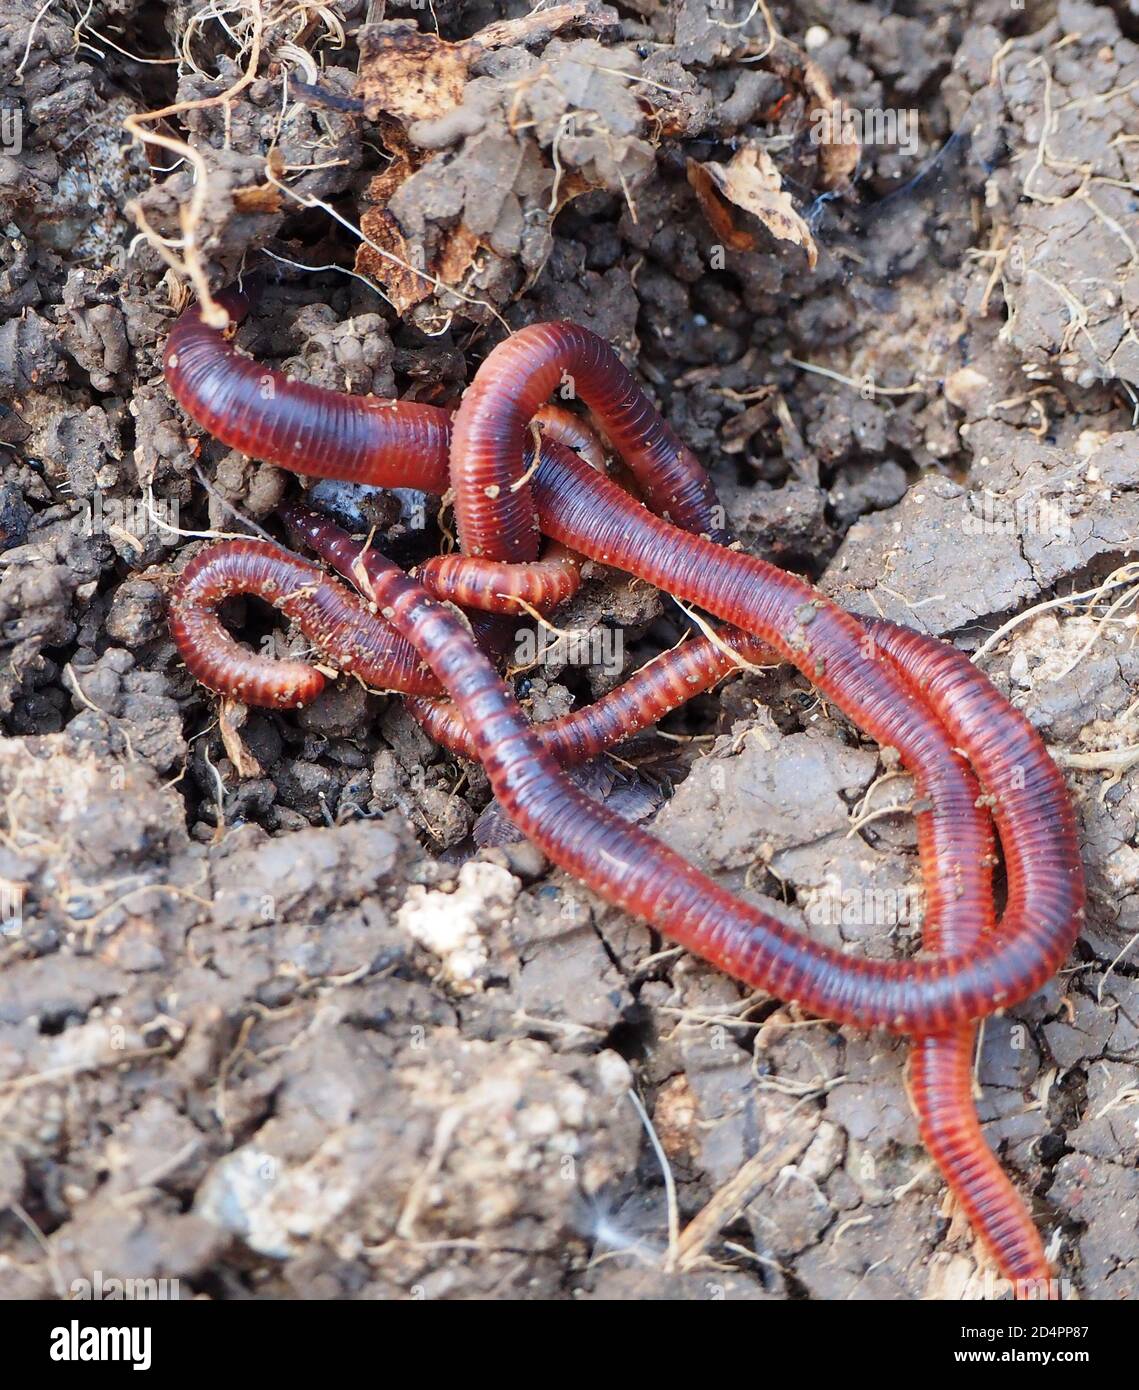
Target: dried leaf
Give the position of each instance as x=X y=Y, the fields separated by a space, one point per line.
x=458 y=252
x=395 y=273
x=738 y=429
x=231 y=715
x=719 y=218
x=751 y=181
x=417 y=76
x=408 y=74
x=401 y=274
x=258 y=197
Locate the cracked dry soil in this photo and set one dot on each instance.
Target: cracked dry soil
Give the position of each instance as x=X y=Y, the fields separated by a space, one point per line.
x=286 y=1010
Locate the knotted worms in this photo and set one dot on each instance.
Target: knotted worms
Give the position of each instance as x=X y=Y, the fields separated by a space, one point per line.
x=514 y=484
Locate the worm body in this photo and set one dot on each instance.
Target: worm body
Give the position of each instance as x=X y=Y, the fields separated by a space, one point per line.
x=659 y=687
x=957 y=851
x=334 y=619
x=1032 y=808
x=908 y=692
x=493 y=504
x=307 y=429
x=495 y=586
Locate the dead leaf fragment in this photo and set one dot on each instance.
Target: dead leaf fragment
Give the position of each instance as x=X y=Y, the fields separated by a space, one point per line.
x=408 y=74
x=407 y=77
x=403 y=281
x=258 y=197
x=417 y=76
x=395 y=264
x=751 y=182
x=231 y=715
x=718 y=216
x=738 y=429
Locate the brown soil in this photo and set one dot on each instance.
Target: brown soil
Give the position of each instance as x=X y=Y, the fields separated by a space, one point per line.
x=328 y=1028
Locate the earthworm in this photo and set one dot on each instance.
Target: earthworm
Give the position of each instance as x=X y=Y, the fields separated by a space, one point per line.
x=366 y=439
x=941 y=1064
x=974 y=698
x=335 y=619
x=569 y=429
x=331 y=616
x=497 y=585
x=960 y=913
x=593 y=516
x=263 y=413
x=494 y=508
x=657 y=688
x=325 y=434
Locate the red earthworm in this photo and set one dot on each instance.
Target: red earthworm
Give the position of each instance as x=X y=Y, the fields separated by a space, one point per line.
x=572 y=431
x=294 y=462
x=592 y=515
x=333 y=618
x=404 y=444
x=326 y=434
x=657 y=688
x=322 y=433
x=497 y=587
x=941 y=1064
x=960 y=912
x=474 y=581
x=494 y=508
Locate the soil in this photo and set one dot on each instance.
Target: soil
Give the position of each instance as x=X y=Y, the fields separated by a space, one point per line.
x=286 y=1008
